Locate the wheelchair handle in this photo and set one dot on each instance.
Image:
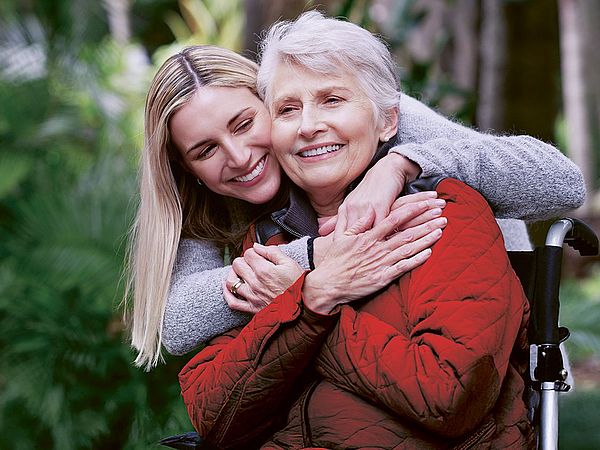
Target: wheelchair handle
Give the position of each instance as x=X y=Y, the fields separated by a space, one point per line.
x=574 y=233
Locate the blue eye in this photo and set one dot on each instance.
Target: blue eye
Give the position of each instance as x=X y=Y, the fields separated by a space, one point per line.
x=332 y=100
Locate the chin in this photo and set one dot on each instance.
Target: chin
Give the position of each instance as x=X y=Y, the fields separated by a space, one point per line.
x=263 y=195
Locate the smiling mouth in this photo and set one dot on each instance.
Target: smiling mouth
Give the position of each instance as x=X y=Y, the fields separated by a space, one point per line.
x=320 y=151
x=258 y=169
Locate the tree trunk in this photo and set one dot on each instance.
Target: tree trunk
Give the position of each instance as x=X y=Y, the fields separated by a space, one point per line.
x=574 y=91
x=118 y=20
x=463 y=19
x=490 y=108
x=591 y=36
x=532 y=91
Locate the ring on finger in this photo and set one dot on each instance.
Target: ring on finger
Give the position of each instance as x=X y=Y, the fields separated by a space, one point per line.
x=236 y=286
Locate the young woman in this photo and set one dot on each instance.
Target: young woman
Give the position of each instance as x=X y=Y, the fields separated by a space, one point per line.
x=190 y=215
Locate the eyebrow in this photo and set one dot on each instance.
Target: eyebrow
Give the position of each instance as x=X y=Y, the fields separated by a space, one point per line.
x=229 y=123
x=319 y=92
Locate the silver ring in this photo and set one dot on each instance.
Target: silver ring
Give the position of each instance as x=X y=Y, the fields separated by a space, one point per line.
x=236 y=286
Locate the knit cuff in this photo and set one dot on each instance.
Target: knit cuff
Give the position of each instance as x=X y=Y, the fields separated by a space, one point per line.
x=310 y=248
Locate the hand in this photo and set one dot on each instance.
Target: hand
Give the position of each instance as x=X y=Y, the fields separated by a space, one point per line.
x=362 y=260
x=433 y=211
x=378 y=190
x=267 y=272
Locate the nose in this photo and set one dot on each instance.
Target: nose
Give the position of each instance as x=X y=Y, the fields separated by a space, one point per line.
x=239 y=155
x=311 y=122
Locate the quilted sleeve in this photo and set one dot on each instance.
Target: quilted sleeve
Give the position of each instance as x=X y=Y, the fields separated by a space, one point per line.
x=234 y=387
x=444 y=365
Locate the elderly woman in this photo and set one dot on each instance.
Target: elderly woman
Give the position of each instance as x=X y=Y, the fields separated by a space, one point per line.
x=435 y=360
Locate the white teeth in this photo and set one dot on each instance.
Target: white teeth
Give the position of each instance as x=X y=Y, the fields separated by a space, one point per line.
x=255 y=172
x=320 y=150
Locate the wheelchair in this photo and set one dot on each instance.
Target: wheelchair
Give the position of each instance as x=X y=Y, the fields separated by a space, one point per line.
x=540 y=272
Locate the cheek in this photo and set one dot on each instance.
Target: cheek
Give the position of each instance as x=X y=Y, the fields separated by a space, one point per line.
x=282 y=137
x=209 y=172
x=262 y=132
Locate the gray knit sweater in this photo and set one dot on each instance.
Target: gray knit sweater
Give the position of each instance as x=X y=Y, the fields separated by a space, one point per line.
x=521 y=177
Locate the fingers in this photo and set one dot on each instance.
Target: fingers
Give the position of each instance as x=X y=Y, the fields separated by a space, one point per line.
x=270 y=253
x=341 y=223
x=406 y=265
x=411 y=255
x=427 y=216
x=413 y=198
x=402 y=215
x=328 y=226
x=237 y=304
x=360 y=226
x=416 y=246
x=413 y=233
x=243 y=271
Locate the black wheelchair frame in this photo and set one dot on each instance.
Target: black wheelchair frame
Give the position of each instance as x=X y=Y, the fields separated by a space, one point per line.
x=540 y=272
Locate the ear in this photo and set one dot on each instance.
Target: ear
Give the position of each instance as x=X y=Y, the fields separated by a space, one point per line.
x=390 y=126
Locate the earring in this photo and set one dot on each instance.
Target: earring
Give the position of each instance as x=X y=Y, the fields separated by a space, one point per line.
x=199 y=182
x=385 y=139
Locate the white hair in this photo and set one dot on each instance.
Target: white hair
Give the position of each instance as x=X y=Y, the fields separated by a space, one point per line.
x=325 y=46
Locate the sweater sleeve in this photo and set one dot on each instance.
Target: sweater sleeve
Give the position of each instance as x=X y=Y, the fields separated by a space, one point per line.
x=196 y=310
x=235 y=387
x=521 y=177
x=464 y=308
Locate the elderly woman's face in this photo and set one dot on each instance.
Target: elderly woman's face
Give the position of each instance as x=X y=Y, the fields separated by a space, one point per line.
x=224 y=138
x=324 y=131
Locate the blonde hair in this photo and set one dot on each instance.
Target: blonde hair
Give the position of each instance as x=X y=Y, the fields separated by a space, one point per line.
x=172 y=205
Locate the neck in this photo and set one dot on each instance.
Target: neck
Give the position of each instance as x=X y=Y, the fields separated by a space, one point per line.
x=326 y=204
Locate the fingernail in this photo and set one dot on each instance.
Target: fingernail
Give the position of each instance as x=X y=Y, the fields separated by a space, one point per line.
x=436 y=212
x=439 y=202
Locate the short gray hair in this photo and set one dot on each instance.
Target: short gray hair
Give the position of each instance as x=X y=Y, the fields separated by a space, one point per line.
x=325 y=45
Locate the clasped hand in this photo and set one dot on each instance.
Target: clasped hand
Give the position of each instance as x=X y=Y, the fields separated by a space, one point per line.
x=350 y=264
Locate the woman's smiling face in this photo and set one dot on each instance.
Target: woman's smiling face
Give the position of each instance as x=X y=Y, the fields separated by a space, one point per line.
x=223 y=135
x=324 y=130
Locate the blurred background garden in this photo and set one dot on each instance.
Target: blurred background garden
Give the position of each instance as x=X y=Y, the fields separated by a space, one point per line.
x=73 y=76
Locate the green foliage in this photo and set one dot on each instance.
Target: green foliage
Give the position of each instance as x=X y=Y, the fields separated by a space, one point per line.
x=70 y=126
x=69 y=373
x=580 y=312
x=215 y=22
x=578 y=428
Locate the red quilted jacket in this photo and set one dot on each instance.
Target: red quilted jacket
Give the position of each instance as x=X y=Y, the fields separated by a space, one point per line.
x=434 y=361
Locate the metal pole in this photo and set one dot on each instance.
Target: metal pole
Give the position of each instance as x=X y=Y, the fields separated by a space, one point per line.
x=549 y=417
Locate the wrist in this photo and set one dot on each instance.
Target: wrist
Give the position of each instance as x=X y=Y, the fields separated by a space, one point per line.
x=318 y=298
x=405 y=168
x=320 y=246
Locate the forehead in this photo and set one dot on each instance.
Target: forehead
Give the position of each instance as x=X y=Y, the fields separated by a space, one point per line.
x=209 y=111
x=290 y=80
x=210 y=101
